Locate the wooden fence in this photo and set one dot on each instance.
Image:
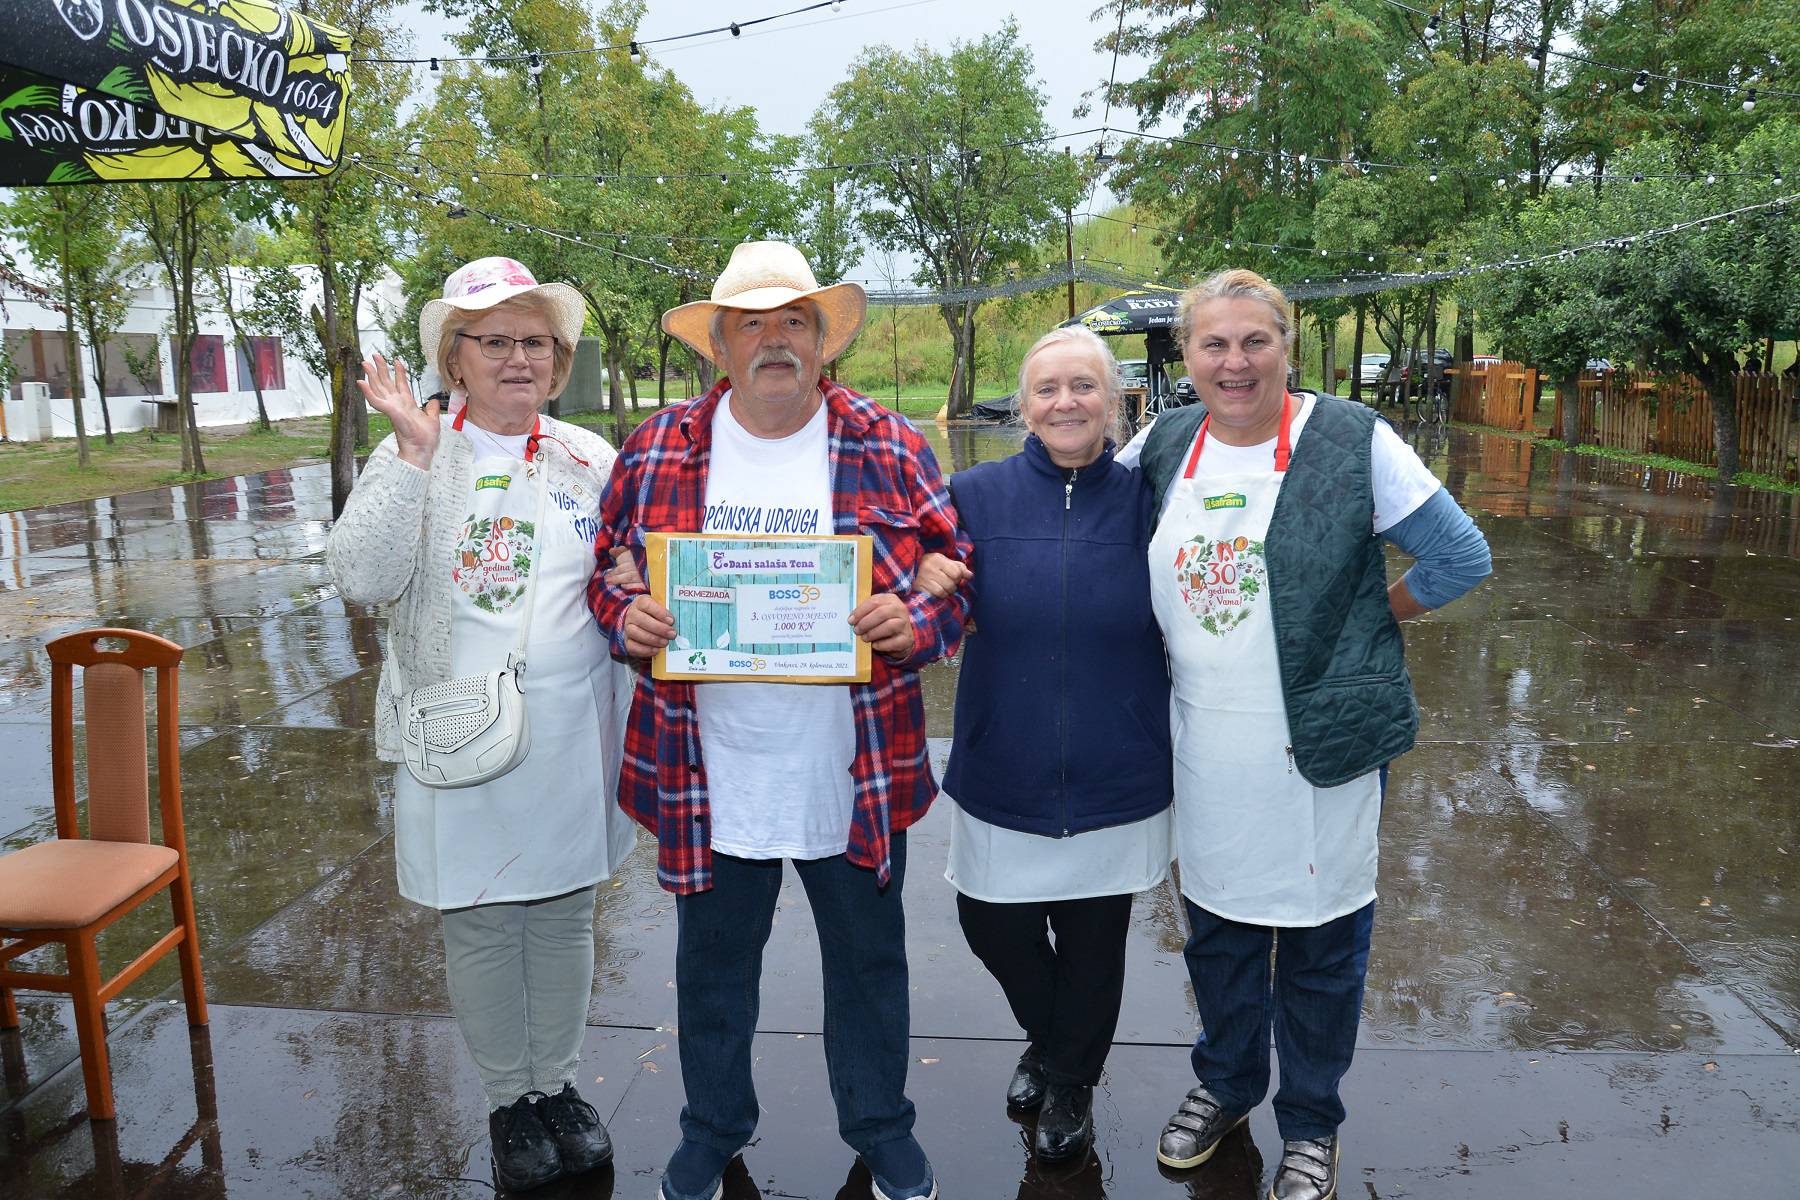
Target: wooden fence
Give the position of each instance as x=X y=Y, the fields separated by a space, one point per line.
x=1502 y=395
x=1650 y=414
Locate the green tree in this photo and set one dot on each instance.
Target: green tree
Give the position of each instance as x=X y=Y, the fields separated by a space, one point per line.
x=74 y=230
x=1694 y=301
x=174 y=219
x=954 y=168
x=345 y=225
x=653 y=188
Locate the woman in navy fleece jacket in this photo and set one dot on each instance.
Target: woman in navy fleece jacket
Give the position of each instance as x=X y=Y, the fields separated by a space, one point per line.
x=1060 y=767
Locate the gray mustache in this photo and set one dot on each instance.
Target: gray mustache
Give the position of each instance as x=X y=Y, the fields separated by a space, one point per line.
x=770 y=357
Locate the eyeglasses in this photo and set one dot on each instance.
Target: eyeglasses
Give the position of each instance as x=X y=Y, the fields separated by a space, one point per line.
x=538 y=346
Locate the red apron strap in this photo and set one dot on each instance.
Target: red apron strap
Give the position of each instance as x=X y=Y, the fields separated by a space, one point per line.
x=531 y=439
x=1284 y=439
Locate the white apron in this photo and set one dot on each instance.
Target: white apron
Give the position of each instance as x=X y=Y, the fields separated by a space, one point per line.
x=1256 y=842
x=552 y=824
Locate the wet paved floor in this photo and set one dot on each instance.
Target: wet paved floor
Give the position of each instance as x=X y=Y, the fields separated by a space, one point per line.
x=1586 y=971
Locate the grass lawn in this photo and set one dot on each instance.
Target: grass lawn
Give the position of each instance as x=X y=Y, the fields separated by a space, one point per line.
x=35 y=474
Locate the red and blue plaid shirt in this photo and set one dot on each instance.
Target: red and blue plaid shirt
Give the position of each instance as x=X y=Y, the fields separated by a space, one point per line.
x=885 y=483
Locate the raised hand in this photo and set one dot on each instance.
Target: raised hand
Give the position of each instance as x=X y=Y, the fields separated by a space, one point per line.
x=388 y=392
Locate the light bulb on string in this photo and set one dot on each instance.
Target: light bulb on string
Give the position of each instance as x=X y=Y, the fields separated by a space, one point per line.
x=1432 y=23
x=434 y=69
x=1712 y=179
x=1535 y=60
x=537 y=64
x=837 y=5
x=1434 y=175
x=1749 y=99
x=636 y=53
x=1641 y=82
x=1777 y=177
x=735 y=31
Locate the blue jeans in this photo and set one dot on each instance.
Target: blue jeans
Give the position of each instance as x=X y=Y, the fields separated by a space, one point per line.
x=718 y=977
x=1313 y=1006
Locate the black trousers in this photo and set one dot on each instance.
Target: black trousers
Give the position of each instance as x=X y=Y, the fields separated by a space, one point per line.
x=1065 y=996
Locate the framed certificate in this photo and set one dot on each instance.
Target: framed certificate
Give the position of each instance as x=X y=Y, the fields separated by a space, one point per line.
x=769 y=608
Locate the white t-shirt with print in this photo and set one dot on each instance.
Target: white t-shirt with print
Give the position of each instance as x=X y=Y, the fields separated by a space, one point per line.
x=778 y=755
x=1400 y=480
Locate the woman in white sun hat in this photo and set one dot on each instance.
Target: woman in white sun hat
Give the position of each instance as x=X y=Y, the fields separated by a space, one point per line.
x=476 y=529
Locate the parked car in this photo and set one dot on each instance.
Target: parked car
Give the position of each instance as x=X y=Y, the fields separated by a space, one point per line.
x=1369 y=368
x=1394 y=377
x=1135 y=373
x=1599 y=365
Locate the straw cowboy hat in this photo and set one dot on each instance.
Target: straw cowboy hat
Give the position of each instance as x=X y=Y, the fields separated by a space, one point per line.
x=488 y=281
x=761 y=277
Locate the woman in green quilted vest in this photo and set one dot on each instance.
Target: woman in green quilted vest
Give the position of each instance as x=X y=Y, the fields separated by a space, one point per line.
x=1290 y=696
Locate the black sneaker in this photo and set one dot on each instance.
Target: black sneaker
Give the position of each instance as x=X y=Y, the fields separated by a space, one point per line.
x=581 y=1140
x=524 y=1155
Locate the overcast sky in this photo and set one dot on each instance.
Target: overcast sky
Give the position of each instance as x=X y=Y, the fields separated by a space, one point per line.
x=783 y=69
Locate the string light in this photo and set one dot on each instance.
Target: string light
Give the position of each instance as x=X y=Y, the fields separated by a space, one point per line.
x=1641 y=82
x=635 y=47
x=537 y=64
x=1749 y=99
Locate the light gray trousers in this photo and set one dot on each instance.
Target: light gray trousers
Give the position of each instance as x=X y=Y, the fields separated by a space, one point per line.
x=520 y=976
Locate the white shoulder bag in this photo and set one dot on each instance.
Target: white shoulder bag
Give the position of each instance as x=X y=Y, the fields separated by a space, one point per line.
x=471 y=729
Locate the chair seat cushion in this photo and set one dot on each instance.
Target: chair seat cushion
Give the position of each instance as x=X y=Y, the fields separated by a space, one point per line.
x=68 y=883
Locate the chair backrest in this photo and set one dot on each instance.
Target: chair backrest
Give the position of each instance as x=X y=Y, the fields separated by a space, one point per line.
x=118 y=764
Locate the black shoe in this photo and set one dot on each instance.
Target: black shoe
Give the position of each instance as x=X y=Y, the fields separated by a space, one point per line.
x=1065 y=1127
x=524 y=1155
x=1026 y=1090
x=581 y=1140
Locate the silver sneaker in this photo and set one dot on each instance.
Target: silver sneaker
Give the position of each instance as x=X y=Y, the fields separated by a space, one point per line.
x=1308 y=1171
x=1196 y=1130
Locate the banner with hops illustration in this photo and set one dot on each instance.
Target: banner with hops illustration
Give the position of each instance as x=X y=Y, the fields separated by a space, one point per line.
x=168 y=89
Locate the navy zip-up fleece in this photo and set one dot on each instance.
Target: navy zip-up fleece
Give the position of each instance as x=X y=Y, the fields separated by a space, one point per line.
x=1062 y=708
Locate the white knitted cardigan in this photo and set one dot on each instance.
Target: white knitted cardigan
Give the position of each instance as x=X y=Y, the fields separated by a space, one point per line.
x=394 y=541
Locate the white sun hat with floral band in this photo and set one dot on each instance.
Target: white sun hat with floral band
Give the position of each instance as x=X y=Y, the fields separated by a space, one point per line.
x=762 y=277
x=488 y=281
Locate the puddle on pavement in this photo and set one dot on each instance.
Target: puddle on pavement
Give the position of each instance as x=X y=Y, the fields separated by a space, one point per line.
x=1591 y=849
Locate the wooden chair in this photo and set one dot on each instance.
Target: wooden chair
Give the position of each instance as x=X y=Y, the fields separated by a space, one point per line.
x=67 y=890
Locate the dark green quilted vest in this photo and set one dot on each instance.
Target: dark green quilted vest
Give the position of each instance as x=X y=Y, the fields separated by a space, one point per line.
x=1350 y=704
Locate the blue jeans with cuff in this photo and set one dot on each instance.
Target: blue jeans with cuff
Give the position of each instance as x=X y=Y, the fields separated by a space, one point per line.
x=1308 y=993
x=718 y=980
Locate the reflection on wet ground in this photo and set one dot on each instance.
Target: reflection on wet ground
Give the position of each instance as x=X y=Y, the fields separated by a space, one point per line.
x=1587 y=960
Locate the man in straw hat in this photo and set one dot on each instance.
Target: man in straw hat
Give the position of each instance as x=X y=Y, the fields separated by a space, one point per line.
x=735 y=777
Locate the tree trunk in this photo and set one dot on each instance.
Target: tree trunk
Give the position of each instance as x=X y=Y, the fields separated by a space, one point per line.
x=1327 y=356
x=72 y=346
x=615 y=392
x=343 y=424
x=1434 y=380
x=1725 y=423
x=949 y=314
x=1356 y=351
x=100 y=386
x=662 y=369
x=188 y=243
x=968 y=356
x=353 y=342
x=1570 y=387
